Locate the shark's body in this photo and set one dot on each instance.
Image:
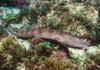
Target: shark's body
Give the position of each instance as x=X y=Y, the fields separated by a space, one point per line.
x=53 y=35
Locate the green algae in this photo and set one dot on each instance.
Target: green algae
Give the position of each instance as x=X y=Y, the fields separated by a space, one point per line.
x=52 y=63
x=8 y=45
x=10 y=18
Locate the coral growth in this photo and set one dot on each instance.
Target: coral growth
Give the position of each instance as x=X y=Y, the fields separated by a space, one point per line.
x=93 y=67
x=2 y=61
x=59 y=55
x=96 y=58
x=53 y=62
x=9 y=45
x=44 y=48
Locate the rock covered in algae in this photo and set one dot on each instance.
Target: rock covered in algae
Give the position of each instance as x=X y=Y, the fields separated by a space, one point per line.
x=92 y=15
x=11 y=46
x=9 y=11
x=58 y=62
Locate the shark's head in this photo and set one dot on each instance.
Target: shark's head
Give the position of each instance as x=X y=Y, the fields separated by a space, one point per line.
x=78 y=43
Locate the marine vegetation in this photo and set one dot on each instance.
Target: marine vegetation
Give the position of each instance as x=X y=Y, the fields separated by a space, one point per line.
x=58 y=61
x=9 y=45
x=10 y=18
x=1 y=30
x=2 y=60
x=96 y=58
x=93 y=67
x=44 y=48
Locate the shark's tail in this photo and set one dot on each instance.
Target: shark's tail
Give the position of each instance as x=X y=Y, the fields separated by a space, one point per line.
x=12 y=30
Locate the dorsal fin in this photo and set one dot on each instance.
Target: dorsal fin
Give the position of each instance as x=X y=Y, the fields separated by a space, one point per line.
x=33 y=26
x=22 y=29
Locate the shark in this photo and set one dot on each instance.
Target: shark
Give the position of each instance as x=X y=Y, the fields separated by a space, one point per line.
x=64 y=38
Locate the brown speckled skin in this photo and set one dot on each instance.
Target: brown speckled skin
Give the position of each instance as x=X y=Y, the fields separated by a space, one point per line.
x=52 y=35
